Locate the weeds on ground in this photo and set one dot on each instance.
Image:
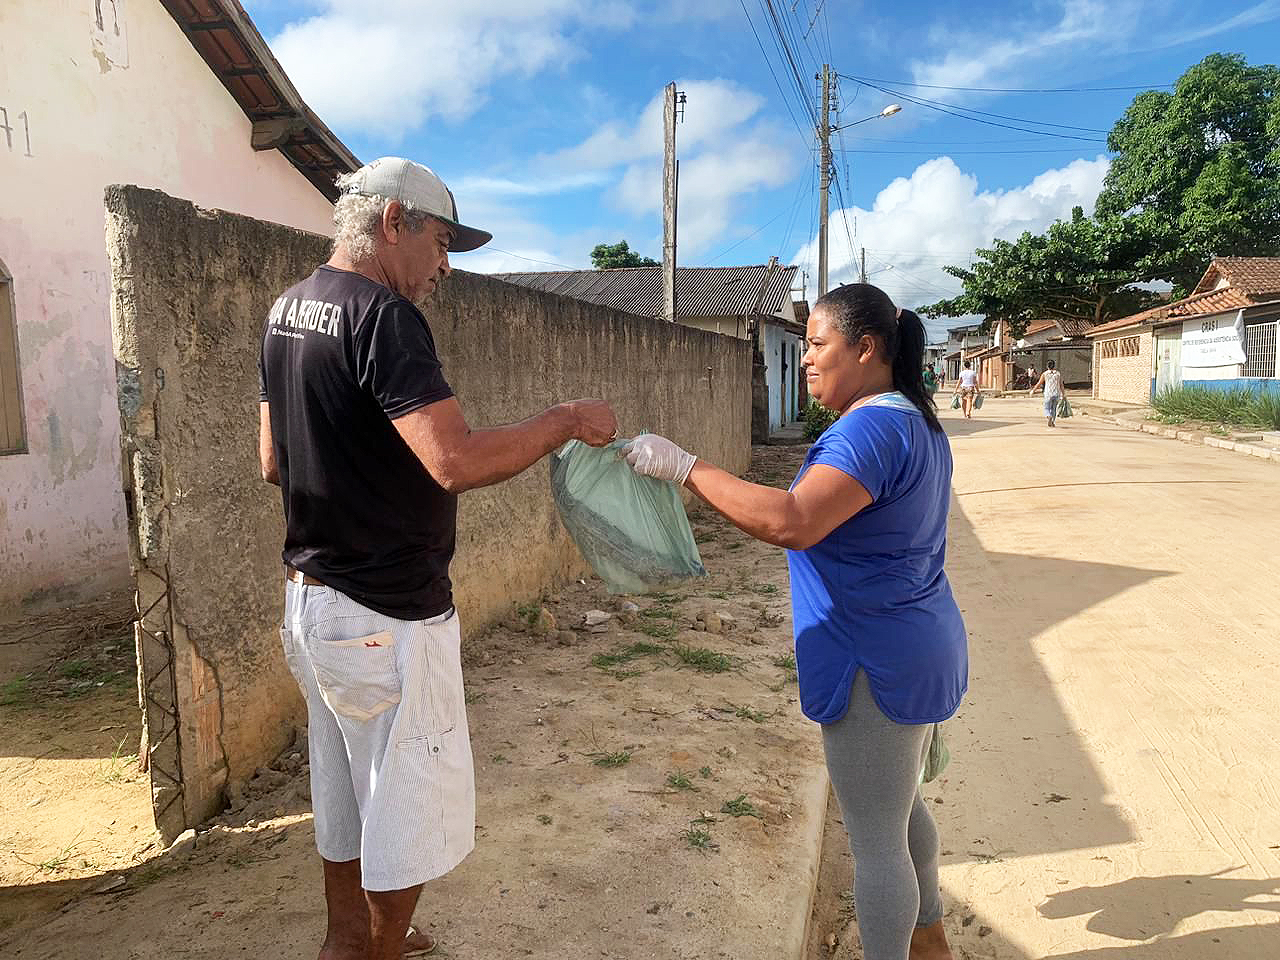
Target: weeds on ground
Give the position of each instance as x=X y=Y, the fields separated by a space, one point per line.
x=606 y=661
x=746 y=713
x=697 y=838
x=700 y=658
x=659 y=629
x=474 y=696
x=16 y=692
x=680 y=781
x=59 y=859
x=498 y=758
x=787 y=663
x=619 y=758
x=544 y=819
x=740 y=806
x=705 y=773
x=119 y=767
x=766 y=589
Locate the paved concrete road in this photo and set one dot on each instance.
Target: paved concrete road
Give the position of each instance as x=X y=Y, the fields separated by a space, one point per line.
x=1115 y=788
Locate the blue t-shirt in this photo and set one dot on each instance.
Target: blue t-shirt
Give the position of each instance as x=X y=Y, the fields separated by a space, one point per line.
x=873 y=594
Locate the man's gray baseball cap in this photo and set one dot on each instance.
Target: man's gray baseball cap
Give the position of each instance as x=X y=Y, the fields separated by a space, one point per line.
x=418 y=188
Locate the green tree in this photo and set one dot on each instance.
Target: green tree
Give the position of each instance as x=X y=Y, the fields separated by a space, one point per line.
x=1195 y=174
x=1199 y=169
x=1080 y=268
x=608 y=256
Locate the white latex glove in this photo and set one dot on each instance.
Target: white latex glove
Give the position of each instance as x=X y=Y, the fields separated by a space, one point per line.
x=653 y=456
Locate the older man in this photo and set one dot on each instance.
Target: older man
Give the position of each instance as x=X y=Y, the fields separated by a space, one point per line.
x=369 y=445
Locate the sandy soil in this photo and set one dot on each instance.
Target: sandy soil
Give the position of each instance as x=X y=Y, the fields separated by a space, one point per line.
x=607 y=798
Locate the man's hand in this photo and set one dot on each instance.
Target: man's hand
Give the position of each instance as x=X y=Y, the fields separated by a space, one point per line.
x=653 y=456
x=594 y=422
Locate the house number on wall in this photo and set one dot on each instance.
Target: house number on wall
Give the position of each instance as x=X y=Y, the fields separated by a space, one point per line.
x=24 y=135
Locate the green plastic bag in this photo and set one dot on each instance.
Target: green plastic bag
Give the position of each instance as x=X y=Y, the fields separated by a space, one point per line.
x=955 y=402
x=1064 y=409
x=977 y=402
x=632 y=530
x=937 y=758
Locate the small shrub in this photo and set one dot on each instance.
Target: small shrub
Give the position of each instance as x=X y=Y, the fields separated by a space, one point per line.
x=816 y=419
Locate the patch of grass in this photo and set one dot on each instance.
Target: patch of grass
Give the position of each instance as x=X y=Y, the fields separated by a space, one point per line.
x=544 y=819
x=740 y=806
x=119 y=767
x=680 y=781
x=658 y=629
x=474 y=696
x=659 y=612
x=618 y=758
x=705 y=773
x=640 y=649
x=746 y=713
x=718 y=595
x=698 y=839
x=76 y=669
x=766 y=589
x=787 y=663
x=15 y=692
x=498 y=758
x=700 y=658
x=670 y=599
x=1238 y=407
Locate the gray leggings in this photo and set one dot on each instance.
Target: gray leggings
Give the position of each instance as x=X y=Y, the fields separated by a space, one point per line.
x=875 y=767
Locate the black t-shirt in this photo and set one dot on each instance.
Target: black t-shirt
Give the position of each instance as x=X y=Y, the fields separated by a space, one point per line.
x=341 y=357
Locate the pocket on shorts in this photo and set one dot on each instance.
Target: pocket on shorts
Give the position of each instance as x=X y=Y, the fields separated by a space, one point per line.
x=291 y=655
x=358 y=678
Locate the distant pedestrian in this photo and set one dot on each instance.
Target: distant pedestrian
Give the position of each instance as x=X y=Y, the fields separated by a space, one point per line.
x=1051 y=380
x=930 y=380
x=967 y=388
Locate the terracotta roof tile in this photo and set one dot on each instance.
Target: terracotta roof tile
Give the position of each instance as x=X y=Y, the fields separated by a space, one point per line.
x=1196 y=305
x=1252 y=276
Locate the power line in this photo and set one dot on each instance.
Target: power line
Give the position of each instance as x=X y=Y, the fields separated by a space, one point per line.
x=732 y=247
x=937 y=86
x=518 y=256
x=963 y=153
x=954 y=112
x=768 y=63
x=780 y=41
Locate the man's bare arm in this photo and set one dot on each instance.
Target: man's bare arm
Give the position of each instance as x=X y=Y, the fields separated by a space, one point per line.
x=461 y=459
x=266 y=449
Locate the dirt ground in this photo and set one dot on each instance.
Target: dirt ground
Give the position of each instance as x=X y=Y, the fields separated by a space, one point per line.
x=648 y=791
x=74 y=803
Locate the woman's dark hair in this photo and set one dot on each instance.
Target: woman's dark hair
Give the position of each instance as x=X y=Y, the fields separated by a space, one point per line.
x=860 y=309
x=968 y=364
x=1050 y=364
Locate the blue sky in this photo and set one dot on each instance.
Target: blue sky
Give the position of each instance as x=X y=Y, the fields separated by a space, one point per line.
x=544 y=116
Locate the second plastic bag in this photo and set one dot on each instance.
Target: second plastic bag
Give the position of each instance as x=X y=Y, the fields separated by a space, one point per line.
x=632 y=529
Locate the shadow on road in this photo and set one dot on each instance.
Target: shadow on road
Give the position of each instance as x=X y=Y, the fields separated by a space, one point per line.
x=1140 y=908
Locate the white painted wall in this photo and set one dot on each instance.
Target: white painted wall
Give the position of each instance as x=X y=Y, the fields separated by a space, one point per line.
x=775 y=341
x=89 y=108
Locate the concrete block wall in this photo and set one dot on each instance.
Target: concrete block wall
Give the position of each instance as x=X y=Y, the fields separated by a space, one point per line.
x=190 y=292
x=1126 y=379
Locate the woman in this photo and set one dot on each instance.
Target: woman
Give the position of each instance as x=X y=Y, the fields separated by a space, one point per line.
x=967 y=388
x=930 y=380
x=1051 y=380
x=880 y=644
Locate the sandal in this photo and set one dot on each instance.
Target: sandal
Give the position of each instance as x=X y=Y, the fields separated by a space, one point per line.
x=428 y=943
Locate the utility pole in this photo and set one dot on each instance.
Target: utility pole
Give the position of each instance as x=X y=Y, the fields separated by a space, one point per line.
x=824 y=176
x=673 y=108
x=864 y=265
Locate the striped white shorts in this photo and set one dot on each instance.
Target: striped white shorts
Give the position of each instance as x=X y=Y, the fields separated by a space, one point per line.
x=392 y=780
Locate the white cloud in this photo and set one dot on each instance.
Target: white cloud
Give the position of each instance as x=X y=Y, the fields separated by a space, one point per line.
x=726 y=151
x=935 y=217
x=977 y=58
x=387 y=67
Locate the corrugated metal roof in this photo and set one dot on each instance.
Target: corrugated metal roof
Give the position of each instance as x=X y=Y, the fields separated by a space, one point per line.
x=700 y=291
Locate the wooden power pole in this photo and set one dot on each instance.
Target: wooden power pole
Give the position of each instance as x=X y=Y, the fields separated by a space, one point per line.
x=673 y=107
x=824 y=176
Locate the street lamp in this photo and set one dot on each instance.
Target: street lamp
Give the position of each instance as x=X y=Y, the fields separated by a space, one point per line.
x=824 y=134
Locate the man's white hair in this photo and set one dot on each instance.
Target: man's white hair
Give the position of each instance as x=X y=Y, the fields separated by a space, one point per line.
x=357 y=220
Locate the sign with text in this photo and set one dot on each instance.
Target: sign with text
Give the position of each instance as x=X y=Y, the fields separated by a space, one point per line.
x=1213 y=341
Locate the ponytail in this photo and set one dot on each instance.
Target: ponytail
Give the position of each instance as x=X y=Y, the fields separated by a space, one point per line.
x=908 y=366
